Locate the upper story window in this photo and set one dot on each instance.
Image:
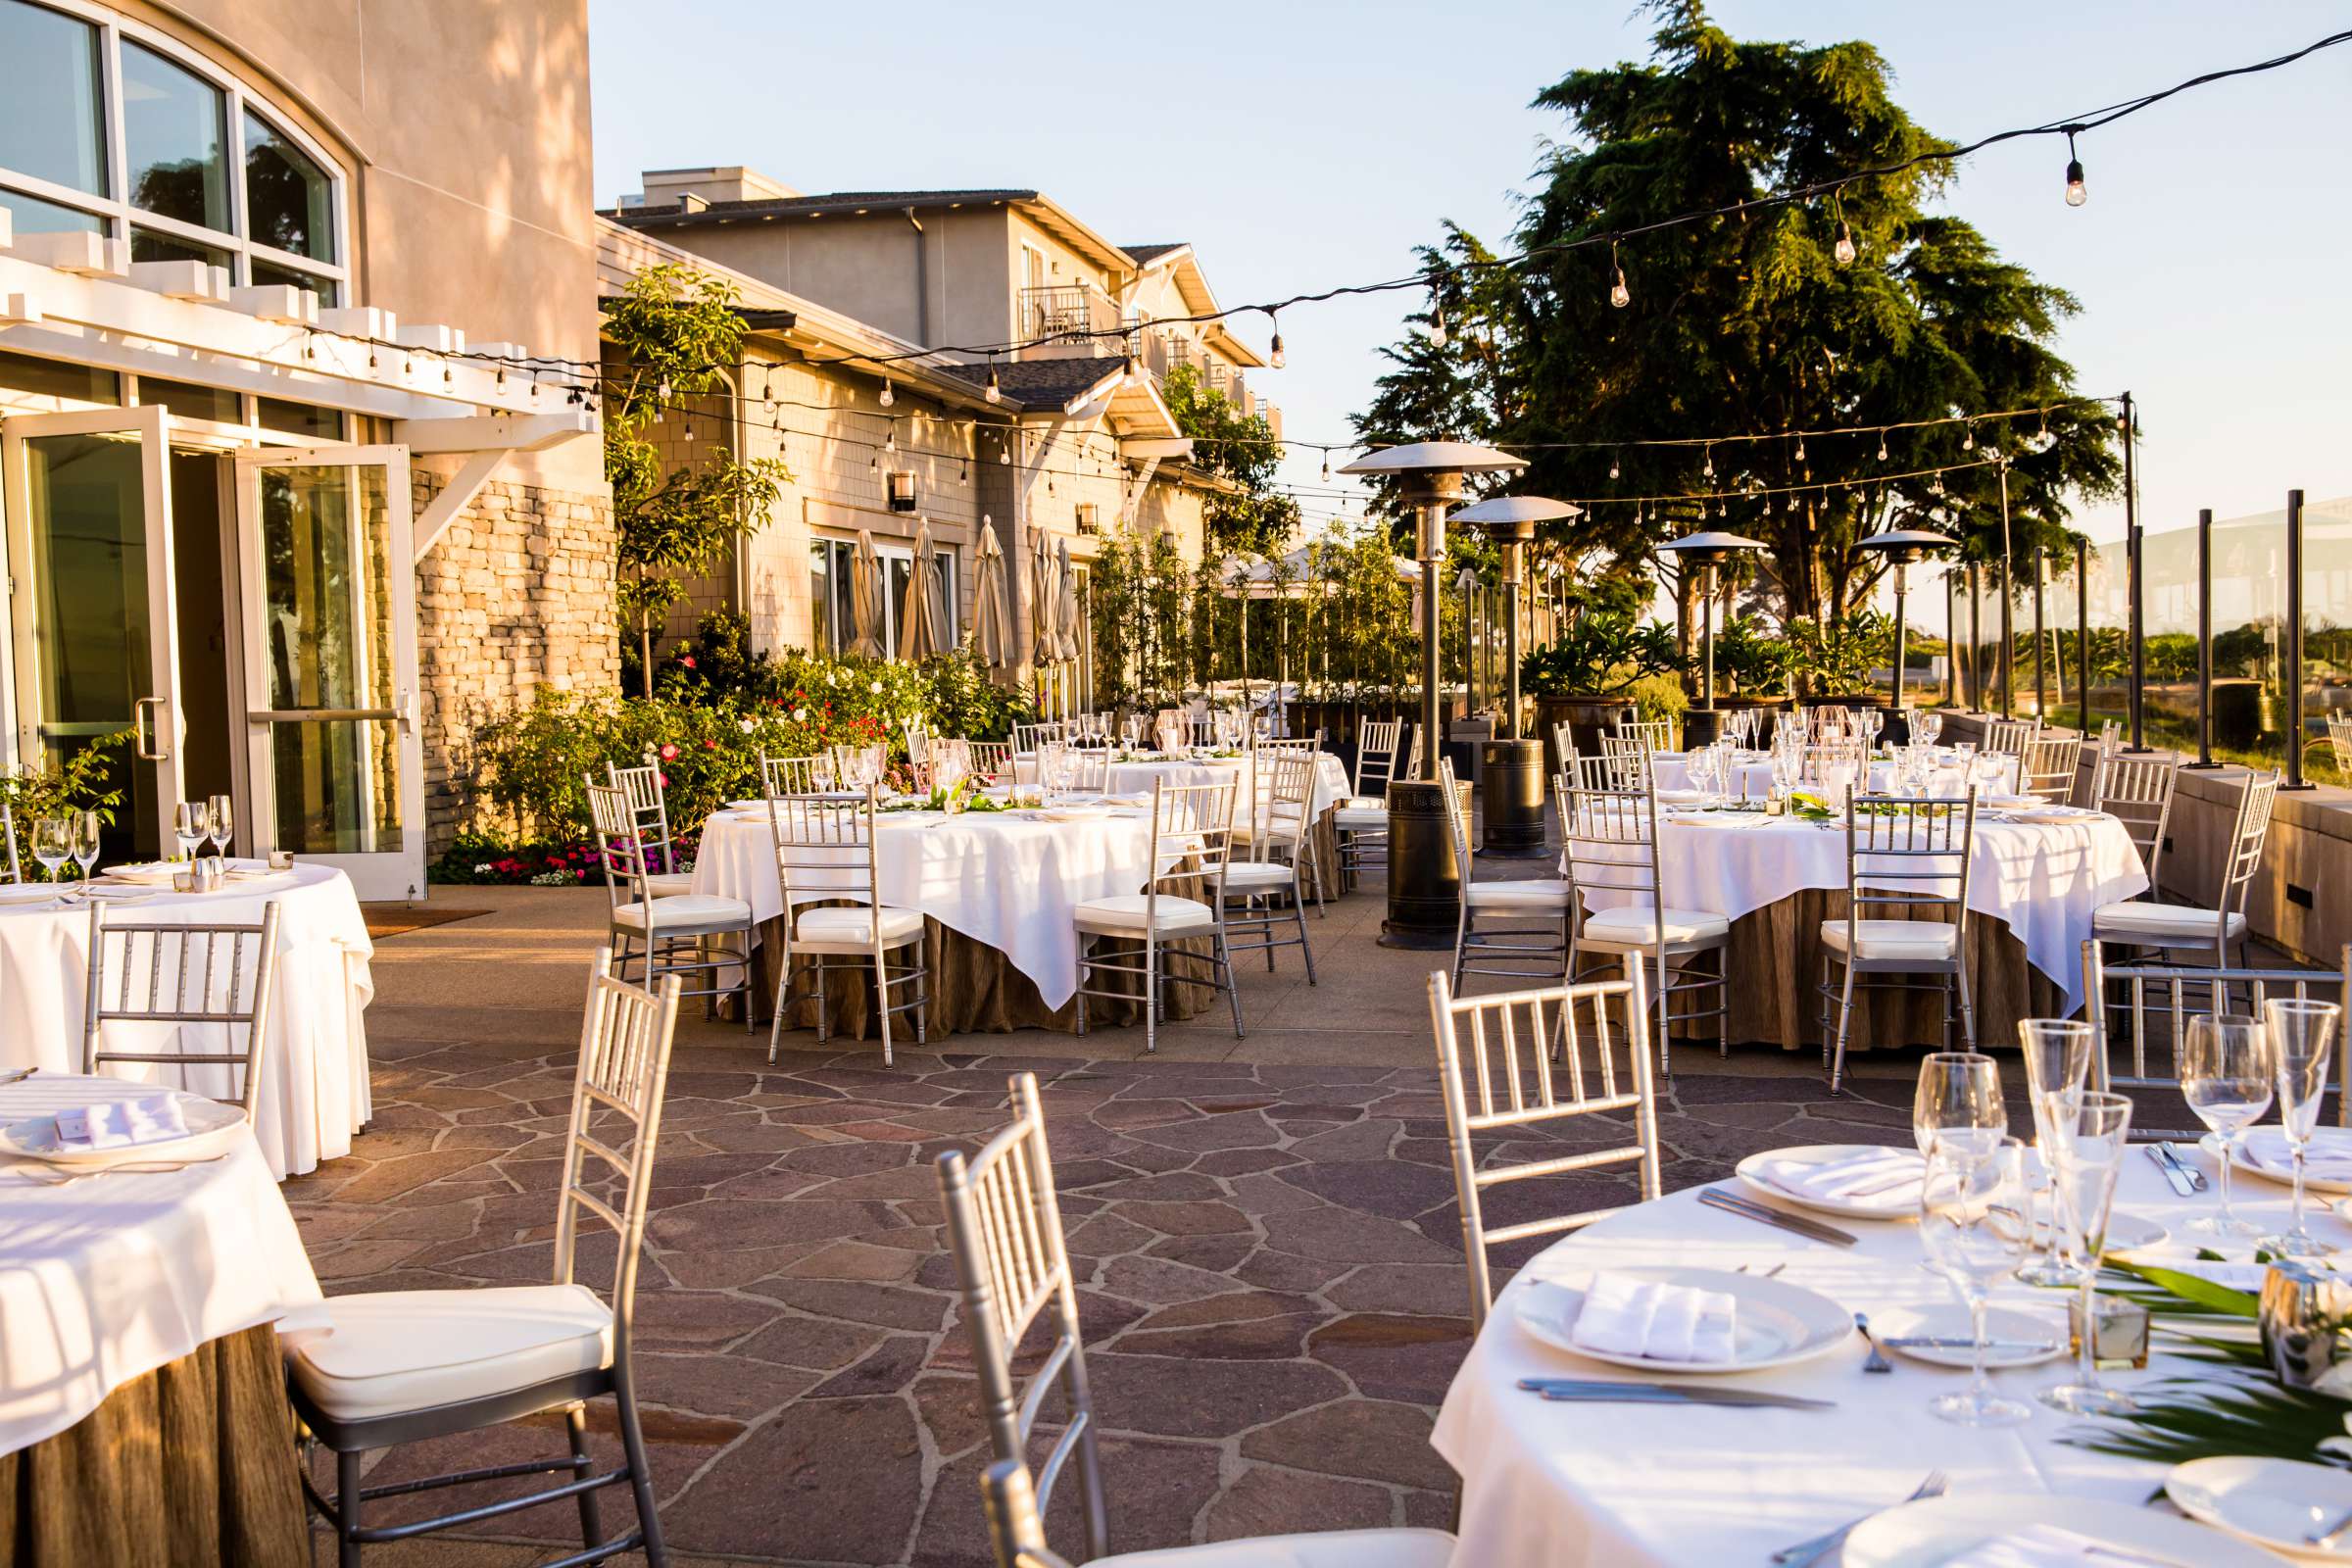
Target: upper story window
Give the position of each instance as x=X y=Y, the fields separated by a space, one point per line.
x=108 y=127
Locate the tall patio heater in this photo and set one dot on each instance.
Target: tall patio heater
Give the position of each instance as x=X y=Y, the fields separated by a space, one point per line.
x=1707 y=552
x=1511 y=769
x=1903 y=547
x=1424 y=882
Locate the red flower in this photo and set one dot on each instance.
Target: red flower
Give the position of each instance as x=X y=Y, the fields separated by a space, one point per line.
x=664 y=780
x=710 y=746
x=670 y=752
x=687 y=659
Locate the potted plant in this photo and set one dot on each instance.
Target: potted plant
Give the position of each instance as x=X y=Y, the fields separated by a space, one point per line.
x=1584 y=678
x=1837 y=658
x=1753 y=661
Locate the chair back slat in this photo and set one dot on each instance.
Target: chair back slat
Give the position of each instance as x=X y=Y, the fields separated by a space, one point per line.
x=1903 y=854
x=1651 y=734
x=217 y=975
x=825 y=848
x=2047 y=767
x=991 y=759
x=787 y=775
x=620 y=848
x=1610 y=841
x=1028 y=736
x=1376 y=756
x=2137 y=791
x=623 y=1066
x=1630 y=760
x=2247 y=836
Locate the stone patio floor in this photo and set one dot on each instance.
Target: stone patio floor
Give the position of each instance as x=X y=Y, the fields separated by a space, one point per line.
x=1264 y=1230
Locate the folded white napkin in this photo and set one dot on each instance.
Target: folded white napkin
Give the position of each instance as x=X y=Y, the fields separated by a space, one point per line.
x=1887 y=1179
x=2049 y=1546
x=149 y=1119
x=2248 y=1277
x=1624 y=1316
x=2330 y=1156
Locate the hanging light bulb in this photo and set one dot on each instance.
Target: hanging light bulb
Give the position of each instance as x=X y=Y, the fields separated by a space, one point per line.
x=1274 y=356
x=1004 y=450
x=995 y=392
x=1437 y=326
x=1882 y=446
x=2076 y=193
x=964 y=470
x=662 y=391
x=890 y=442
x=1845 y=251
x=1709 y=471
x=1968 y=440
x=1619 y=295
x=887 y=397
x=1800 y=449
x=1327 y=462
x=689 y=427
x=874 y=463
x=1612 y=467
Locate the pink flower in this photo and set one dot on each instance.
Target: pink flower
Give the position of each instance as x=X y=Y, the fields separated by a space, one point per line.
x=665 y=778
x=670 y=752
x=710 y=746
x=687 y=659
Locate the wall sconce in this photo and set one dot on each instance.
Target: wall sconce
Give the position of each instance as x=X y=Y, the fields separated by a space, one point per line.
x=901 y=490
x=1089 y=516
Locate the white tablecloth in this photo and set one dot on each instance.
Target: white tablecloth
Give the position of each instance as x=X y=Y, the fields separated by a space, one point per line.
x=1754 y=777
x=1009 y=881
x=1553 y=1485
x=1331 y=784
x=2042 y=881
x=314 y=1078
x=111 y=1276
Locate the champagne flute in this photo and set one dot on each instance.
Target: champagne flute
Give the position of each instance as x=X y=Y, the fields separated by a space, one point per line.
x=52 y=843
x=2223 y=1064
x=189 y=827
x=225 y=823
x=87 y=828
x=1973 y=1228
x=2057 y=1052
x=2302 y=1033
x=1958 y=1102
x=2090 y=1146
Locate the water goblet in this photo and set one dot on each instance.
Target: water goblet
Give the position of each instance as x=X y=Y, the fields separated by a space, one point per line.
x=2223 y=1064
x=87 y=828
x=2090 y=1145
x=1925 y=727
x=2057 y=1052
x=1973 y=1229
x=52 y=843
x=223 y=813
x=1958 y=1102
x=189 y=827
x=2302 y=1037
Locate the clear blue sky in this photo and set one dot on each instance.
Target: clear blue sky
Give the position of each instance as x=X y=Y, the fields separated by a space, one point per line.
x=1301 y=145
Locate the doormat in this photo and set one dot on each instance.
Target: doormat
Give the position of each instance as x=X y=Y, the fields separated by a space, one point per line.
x=397 y=919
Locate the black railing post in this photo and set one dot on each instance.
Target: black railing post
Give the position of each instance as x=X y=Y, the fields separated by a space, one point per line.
x=1976 y=638
x=1951 y=636
x=2041 y=646
x=2083 y=634
x=2204 y=641
x=2136 y=558
x=2292 y=632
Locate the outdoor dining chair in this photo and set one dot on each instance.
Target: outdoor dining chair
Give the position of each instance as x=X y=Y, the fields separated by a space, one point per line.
x=1258 y=829
x=12 y=869
x=1013 y=1266
x=2048 y=767
x=1361 y=821
x=829 y=869
x=1902 y=855
x=1525 y=1060
x=1609 y=846
x=1192 y=826
x=787 y=775
x=2146 y=923
x=393 y=1367
x=1654 y=734
x=649 y=803
x=212 y=977
x=2137 y=791
x=672 y=935
x=2009 y=736
x=1534 y=910
x=1028 y=736
x=1268 y=879
x=1631 y=761
x=991 y=760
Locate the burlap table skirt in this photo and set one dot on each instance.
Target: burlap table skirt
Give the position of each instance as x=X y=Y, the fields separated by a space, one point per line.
x=1776 y=970
x=189 y=1466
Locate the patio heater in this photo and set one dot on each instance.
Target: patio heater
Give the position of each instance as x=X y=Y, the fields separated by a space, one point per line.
x=1467 y=581
x=1511 y=768
x=1901 y=548
x=1424 y=882
x=1707 y=552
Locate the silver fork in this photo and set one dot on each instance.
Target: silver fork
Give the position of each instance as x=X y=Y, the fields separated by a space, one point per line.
x=1877 y=1362
x=1820 y=1547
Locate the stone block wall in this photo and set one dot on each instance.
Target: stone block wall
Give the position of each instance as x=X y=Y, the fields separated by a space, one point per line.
x=516 y=595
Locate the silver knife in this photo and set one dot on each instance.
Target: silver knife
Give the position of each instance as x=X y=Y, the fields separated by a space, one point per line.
x=1733 y=1204
x=2162 y=1154
x=1961 y=1342
x=2196 y=1176
x=1575 y=1388
x=17 y=1075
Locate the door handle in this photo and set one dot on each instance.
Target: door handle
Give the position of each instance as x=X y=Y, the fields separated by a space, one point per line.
x=144 y=725
x=406 y=703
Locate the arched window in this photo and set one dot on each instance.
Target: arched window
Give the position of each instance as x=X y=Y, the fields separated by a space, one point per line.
x=110 y=128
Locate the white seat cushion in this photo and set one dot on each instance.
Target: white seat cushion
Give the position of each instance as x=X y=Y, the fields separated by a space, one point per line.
x=690 y=915
x=1260 y=876
x=1330 y=1548
x=669 y=884
x=1126 y=913
x=1929 y=941
x=392 y=1351
x=1357 y=819
x=2151 y=921
x=1529 y=894
x=853 y=926
x=1365 y=802
x=1636 y=926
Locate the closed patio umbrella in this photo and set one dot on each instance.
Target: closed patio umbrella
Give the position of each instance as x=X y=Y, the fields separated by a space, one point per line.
x=1041 y=609
x=992 y=620
x=918 y=637
x=865 y=597
x=1065 y=611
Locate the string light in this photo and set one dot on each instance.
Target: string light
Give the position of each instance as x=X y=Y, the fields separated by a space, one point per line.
x=662 y=391
x=1968 y=441
x=1800 y=449
x=1882 y=446
x=2076 y=193
x=1708 y=473
x=887 y=397
x=1619 y=295
x=1436 y=316
x=995 y=392
x=1275 y=356
x=1844 y=248
x=1612 y=467
x=1327 y=462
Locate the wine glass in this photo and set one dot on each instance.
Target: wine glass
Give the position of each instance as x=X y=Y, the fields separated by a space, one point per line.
x=2302 y=1033
x=87 y=828
x=2090 y=1146
x=1958 y=1102
x=1925 y=727
x=2057 y=1052
x=52 y=843
x=189 y=827
x=1972 y=1228
x=2223 y=1064
x=223 y=811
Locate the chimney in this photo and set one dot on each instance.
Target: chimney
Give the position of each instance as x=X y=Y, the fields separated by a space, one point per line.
x=698 y=188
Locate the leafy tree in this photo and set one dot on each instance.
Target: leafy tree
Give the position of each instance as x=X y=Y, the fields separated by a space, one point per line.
x=1254 y=515
x=673 y=332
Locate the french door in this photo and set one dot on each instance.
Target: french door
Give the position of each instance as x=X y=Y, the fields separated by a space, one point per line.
x=328 y=589
x=92 y=627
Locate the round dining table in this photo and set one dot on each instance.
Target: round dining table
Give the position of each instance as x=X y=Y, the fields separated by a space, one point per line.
x=1548 y=1484
x=142 y=1399
x=1751 y=774
x=315 y=1089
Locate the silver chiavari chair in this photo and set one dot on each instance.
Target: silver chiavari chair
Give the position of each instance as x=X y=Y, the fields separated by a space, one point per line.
x=1536 y=1059
x=667 y=935
x=649 y=805
x=2146 y=923
x=1192 y=837
x=1268 y=877
x=1513 y=950
x=1267 y=803
x=2157 y=1003
x=1028 y=736
x=1630 y=762
x=1609 y=846
x=2111 y=736
x=1901 y=854
x=2047 y=767
x=830 y=867
x=392 y=1368
x=1579 y=772
x=2339 y=740
x=2010 y=736
x=207 y=979
x=1362 y=821
x=1654 y=734
x=2137 y=791
x=991 y=760
x=787 y=775
x=12 y=869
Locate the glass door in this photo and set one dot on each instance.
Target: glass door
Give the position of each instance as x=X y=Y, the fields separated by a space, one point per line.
x=92 y=679
x=328 y=580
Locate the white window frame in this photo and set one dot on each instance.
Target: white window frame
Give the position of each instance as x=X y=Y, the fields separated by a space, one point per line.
x=114 y=208
x=839 y=550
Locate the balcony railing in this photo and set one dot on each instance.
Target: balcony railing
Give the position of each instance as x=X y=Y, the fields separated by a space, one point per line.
x=1068 y=308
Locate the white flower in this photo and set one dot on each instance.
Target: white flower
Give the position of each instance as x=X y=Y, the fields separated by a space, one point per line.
x=877 y=688
x=800 y=716
x=746 y=725
x=481 y=869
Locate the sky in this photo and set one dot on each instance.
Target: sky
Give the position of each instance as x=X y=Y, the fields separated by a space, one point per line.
x=1301 y=145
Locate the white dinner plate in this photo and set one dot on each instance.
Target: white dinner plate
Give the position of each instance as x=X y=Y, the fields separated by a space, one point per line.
x=30 y=891
x=146 y=872
x=1750 y=1172
x=2011 y=801
x=1773 y=1323
x=211 y=1131
x=2333 y=1139
x=2273 y=1501
x=2051 y=816
x=2125 y=1233
x=1921 y=1535
x=1948 y=1320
